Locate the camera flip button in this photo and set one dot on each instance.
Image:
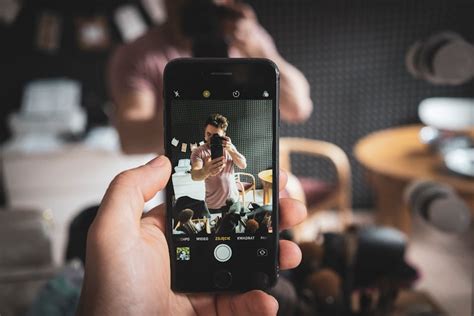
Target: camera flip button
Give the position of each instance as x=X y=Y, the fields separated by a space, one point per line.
x=222 y=253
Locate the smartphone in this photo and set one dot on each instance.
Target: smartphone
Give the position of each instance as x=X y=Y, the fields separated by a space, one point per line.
x=221 y=121
x=216 y=146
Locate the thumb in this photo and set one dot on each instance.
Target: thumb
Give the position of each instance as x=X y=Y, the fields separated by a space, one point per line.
x=127 y=193
x=254 y=302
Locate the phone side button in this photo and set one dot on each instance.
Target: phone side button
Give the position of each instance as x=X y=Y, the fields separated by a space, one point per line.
x=222 y=279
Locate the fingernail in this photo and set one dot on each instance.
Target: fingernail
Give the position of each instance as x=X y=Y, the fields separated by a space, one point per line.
x=157 y=162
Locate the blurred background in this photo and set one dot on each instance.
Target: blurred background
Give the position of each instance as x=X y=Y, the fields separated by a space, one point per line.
x=393 y=93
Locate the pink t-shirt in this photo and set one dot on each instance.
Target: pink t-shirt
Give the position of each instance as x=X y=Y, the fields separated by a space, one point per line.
x=139 y=65
x=222 y=186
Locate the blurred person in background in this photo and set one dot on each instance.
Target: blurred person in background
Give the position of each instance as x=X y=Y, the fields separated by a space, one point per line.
x=135 y=74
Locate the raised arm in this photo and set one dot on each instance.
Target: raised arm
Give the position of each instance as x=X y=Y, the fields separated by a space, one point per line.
x=137 y=113
x=238 y=159
x=252 y=40
x=295 y=102
x=203 y=169
x=139 y=126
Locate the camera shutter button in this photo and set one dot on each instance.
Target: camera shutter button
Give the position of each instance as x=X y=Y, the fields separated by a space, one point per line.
x=222 y=253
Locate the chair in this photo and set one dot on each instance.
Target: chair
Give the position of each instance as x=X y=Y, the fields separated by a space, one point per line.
x=244 y=186
x=318 y=195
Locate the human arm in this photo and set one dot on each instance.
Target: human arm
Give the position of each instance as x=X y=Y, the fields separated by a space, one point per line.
x=140 y=128
x=127 y=269
x=295 y=102
x=201 y=170
x=133 y=80
x=252 y=40
x=238 y=159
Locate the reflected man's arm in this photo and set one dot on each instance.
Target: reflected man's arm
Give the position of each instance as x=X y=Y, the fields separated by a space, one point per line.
x=202 y=170
x=239 y=160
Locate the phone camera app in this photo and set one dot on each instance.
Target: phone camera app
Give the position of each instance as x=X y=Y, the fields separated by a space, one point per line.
x=223 y=180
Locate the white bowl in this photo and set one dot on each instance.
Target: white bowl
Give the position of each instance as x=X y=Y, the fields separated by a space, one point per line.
x=460 y=161
x=453 y=114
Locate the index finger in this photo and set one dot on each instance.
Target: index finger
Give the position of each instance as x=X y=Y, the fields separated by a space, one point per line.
x=218 y=159
x=283 y=179
x=217 y=162
x=292 y=213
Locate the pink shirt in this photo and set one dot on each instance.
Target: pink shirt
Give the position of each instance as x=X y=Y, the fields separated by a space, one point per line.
x=220 y=187
x=139 y=66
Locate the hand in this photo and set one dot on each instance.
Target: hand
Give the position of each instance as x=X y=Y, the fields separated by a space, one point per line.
x=127 y=261
x=227 y=144
x=213 y=167
x=247 y=35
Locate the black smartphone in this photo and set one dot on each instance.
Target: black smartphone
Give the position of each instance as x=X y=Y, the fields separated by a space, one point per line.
x=222 y=214
x=217 y=150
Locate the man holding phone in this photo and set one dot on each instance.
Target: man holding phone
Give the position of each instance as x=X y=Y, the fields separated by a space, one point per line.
x=135 y=75
x=218 y=172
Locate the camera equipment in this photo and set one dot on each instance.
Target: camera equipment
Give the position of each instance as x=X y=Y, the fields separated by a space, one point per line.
x=202 y=20
x=439 y=205
x=358 y=272
x=217 y=150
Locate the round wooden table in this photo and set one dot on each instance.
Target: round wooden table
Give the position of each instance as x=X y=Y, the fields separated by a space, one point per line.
x=266 y=177
x=395 y=157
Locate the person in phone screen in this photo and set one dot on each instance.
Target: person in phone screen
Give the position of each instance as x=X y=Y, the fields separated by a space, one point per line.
x=218 y=173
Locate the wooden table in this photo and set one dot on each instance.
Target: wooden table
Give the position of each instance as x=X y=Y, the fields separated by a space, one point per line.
x=395 y=157
x=266 y=177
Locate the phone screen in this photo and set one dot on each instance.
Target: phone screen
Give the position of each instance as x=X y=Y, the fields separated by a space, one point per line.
x=221 y=136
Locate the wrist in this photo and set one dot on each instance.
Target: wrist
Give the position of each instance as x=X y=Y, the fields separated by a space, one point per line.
x=272 y=54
